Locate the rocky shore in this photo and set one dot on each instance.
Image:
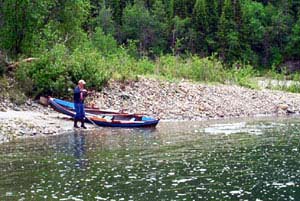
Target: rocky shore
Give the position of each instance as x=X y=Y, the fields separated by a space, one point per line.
x=193 y=101
x=31 y=119
x=169 y=101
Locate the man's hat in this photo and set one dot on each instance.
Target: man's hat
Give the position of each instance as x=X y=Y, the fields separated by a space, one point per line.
x=81 y=81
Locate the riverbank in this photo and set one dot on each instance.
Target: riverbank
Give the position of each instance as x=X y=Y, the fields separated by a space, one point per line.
x=195 y=101
x=31 y=120
x=167 y=100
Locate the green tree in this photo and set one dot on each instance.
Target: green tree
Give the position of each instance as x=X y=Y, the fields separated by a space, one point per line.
x=220 y=6
x=65 y=23
x=276 y=35
x=21 y=22
x=106 y=44
x=158 y=11
x=295 y=9
x=201 y=25
x=181 y=35
x=117 y=7
x=104 y=19
x=171 y=9
x=138 y=25
x=149 y=4
x=254 y=30
x=237 y=12
x=183 y=8
x=228 y=34
x=212 y=18
x=293 y=46
x=160 y=19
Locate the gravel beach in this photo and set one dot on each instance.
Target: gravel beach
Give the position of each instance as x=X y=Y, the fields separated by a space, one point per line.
x=193 y=101
x=169 y=101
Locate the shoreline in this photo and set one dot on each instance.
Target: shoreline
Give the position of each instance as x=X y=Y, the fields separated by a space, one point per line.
x=171 y=102
x=195 y=101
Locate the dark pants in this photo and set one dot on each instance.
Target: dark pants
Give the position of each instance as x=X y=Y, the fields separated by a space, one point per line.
x=79 y=109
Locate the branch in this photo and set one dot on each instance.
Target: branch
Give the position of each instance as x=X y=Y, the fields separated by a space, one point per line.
x=16 y=64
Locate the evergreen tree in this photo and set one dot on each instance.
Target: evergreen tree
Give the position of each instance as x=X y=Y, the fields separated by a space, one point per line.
x=263 y=32
x=276 y=35
x=295 y=8
x=180 y=8
x=253 y=31
x=212 y=18
x=293 y=47
x=106 y=44
x=180 y=35
x=149 y=4
x=117 y=7
x=200 y=19
x=104 y=19
x=159 y=11
x=161 y=27
x=228 y=34
x=171 y=9
x=220 y=7
x=183 y=8
x=212 y=14
x=138 y=25
x=237 y=11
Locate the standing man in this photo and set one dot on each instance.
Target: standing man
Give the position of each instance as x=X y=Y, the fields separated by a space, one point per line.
x=79 y=96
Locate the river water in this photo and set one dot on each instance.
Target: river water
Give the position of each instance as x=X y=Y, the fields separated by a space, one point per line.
x=216 y=160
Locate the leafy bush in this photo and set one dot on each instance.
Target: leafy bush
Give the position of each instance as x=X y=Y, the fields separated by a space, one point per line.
x=208 y=69
x=199 y=69
x=106 y=44
x=45 y=75
x=242 y=75
x=57 y=71
x=121 y=65
x=167 y=66
x=88 y=64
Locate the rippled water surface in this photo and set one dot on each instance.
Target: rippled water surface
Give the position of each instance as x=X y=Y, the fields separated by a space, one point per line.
x=245 y=160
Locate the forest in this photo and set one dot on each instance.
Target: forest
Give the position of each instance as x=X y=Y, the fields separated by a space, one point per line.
x=100 y=39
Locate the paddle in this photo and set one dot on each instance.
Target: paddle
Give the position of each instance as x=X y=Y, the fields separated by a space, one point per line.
x=91 y=121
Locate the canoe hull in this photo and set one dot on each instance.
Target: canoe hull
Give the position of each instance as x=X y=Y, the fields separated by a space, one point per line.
x=92 y=110
x=108 y=120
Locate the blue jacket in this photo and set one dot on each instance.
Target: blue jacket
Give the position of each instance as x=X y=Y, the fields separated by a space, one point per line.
x=77 y=95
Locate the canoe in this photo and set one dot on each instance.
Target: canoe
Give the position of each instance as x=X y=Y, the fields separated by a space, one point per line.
x=106 y=119
x=93 y=110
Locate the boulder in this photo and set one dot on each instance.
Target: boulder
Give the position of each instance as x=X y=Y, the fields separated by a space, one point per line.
x=282 y=106
x=44 y=101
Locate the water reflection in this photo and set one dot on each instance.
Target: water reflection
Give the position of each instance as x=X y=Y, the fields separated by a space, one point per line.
x=246 y=160
x=79 y=149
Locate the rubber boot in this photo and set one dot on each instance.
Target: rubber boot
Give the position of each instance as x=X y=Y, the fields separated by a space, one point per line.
x=75 y=123
x=82 y=124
